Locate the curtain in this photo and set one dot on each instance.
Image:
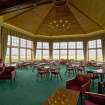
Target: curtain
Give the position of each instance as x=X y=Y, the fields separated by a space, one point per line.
x=4 y=39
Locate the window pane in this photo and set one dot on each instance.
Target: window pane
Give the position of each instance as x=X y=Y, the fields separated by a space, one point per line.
x=45 y=54
x=80 y=45
x=28 y=54
x=99 y=45
x=39 y=45
x=15 y=41
x=92 y=54
x=23 y=43
x=63 y=45
x=92 y=44
x=7 y=55
x=9 y=39
x=71 y=45
x=71 y=54
x=56 y=54
x=14 y=55
x=56 y=46
x=22 y=54
x=38 y=54
x=80 y=55
x=29 y=44
x=45 y=45
x=99 y=55
x=63 y=54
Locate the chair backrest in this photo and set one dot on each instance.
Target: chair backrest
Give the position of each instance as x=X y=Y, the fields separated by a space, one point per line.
x=82 y=78
x=91 y=74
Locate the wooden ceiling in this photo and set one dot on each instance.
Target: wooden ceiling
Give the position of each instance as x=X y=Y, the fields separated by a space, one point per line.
x=13 y=5
x=87 y=18
x=4 y=4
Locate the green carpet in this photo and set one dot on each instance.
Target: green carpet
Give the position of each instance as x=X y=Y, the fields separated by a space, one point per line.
x=27 y=90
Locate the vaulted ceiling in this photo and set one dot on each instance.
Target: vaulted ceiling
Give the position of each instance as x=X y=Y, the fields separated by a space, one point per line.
x=45 y=19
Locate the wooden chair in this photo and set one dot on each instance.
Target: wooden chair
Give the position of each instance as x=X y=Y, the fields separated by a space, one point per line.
x=69 y=68
x=42 y=72
x=93 y=76
x=55 y=73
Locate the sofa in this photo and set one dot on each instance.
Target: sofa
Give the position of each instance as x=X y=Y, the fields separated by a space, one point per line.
x=79 y=83
x=7 y=73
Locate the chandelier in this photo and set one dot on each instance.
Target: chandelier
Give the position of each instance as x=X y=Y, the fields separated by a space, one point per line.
x=59 y=24
x=59 y=19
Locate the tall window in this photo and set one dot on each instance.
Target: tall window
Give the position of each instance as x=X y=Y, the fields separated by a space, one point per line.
x=60 y=50
x=18 y=49
x=7 y=58
x=75 y=50
x=56 y=51
x=63 y=50
x=14 y=49
x=42 y=51
x=95 y=50
x=68 y=50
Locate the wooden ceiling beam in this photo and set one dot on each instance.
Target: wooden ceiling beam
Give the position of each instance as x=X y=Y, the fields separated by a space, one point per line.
x=28 y=4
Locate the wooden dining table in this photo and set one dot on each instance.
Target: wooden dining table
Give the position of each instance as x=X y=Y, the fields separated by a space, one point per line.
x=63 y=97
x=100 y=72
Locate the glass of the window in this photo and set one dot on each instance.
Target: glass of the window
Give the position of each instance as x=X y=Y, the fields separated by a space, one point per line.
x=71 y=54
x=79 y=45
x=80 y=55
x=28 y=54
x=45 y=45
x=38 y=54
x=63 y=54
x=23 y=42
x=63 y=45
x=22 y=54
x=71 y=45
x=56 y=45
x=56 y=54
x=9 y=40
x=99 y=55
x=15 y=41
x=99 y=45
x=14 y=54
x=92 y=55
x=92 y=44
x=45 y=54
x=7 y=55
x=39 y=45
x=29 y=44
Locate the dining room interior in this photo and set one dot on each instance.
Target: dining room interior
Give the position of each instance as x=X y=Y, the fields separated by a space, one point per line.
x=52 y=52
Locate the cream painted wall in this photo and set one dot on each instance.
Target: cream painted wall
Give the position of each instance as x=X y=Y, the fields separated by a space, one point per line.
x=92 y=8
